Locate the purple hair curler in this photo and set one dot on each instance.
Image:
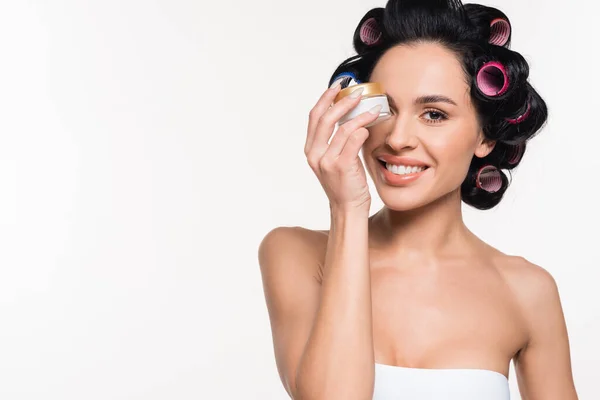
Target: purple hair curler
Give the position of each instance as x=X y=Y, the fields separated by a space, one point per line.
x=489 y=178
x=521 y=117
x=370 y=34
x=492 y=79
x=499 y=31
x=515 y=153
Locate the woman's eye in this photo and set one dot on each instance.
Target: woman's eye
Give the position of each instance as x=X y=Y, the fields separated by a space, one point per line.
x=436 y=116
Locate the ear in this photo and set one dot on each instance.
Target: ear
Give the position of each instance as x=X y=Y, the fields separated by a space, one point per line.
x=484 y=146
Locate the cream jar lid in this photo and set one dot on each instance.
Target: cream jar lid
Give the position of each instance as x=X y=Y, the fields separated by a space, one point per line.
x=370 y=89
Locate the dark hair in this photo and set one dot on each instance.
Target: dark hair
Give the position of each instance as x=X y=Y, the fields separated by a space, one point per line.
x=508 y=108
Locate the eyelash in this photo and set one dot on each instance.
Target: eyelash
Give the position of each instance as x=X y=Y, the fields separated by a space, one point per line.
x=443 y=116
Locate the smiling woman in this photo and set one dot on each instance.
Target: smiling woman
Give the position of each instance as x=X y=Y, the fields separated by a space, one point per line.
x=495 y=89
x=409 y=303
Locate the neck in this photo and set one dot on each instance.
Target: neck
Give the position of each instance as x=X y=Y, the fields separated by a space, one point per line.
x=428 y=231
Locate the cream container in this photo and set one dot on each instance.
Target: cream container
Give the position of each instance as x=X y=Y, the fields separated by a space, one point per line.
x=371 y=96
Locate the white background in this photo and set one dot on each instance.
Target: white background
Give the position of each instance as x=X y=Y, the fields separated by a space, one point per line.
x=148 y=146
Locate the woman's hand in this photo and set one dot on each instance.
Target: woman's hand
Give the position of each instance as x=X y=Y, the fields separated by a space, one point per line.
x=337 y=164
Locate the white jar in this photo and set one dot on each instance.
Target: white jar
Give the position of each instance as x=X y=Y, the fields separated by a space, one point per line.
x=371 y=96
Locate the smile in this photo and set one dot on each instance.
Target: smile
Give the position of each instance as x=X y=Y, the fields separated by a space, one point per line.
x=398 y=175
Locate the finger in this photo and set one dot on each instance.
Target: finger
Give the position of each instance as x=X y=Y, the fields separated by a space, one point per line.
x=353 y=145
x=320 y=107
x=344 y=131
x=326 y=123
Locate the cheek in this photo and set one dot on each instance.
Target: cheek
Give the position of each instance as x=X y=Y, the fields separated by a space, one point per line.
x=455 y=147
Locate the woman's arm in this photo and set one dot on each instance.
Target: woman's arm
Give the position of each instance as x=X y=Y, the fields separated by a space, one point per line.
x=543 y=366
x=322 y=334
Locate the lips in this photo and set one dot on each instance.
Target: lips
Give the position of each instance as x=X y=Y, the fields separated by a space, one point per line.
x=384 y=164
x=399 y=179
x=407 y=161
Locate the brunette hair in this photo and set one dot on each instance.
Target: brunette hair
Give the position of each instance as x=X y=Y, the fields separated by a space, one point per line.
x=509 y=109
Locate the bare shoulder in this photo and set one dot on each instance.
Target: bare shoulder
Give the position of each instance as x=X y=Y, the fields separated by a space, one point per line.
x=527 y=279
x=284 y=237
x=294 y=242
x=534 y=287
x=289 y=259
x=521 y=274
x=543 y=364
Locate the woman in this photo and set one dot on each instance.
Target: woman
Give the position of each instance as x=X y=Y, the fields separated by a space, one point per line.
x=408 y=303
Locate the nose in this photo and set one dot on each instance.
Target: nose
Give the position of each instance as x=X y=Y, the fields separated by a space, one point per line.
x=403 y=134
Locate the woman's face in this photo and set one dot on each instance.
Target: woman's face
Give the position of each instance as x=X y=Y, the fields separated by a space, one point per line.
x=443 y=134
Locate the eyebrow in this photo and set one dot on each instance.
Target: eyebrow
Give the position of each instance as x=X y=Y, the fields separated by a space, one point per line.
x=431 y=98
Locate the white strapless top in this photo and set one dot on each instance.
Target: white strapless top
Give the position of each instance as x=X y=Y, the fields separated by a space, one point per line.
x=393 y=382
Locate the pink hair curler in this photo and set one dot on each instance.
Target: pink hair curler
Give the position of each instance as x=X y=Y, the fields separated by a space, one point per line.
x=499 y=31
x=489 y=178
x=515 y=153
x=492 y=79
x=370 y=34
x=521 y=117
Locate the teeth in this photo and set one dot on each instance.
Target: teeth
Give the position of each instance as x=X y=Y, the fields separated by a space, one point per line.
x=403 y=169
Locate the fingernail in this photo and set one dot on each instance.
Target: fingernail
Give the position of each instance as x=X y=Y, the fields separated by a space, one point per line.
x=357 y=92
x=375 y=110
x=337 y=85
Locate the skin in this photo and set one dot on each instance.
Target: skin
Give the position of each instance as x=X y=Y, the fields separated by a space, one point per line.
x=441 y=296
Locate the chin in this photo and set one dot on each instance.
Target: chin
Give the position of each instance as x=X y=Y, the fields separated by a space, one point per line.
x=402 y=200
